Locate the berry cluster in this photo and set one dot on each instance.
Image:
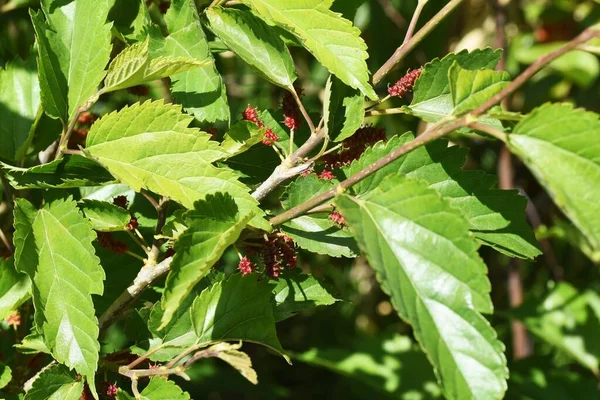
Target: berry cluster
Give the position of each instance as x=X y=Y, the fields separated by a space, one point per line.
x=14 y=319
x=291 y=112
x=107 y=240
x=326 y=175
x=110 y=389
x=337 y=218
x=122 y=202
x=404 y=84
x=277 y=252
x=354 y=146
x=250 y=114
x=80 y=133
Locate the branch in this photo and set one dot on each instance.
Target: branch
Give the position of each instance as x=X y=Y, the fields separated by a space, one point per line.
x=437 y=131
x=414 y=19
x=309 y=121
x=414 y=41
x=147 y=275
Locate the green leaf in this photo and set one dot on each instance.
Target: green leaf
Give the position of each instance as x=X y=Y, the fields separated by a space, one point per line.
x=559 y=145
x=568 y=319
x=241 y=137
x=238 y=308
x=15 y=288
x=56 y=383
x=427 y=261
x=19 y=105
x=105 y=216
x=496 y=217
x=346 y=110
x=162 y=389
x=431 y=96
x=315 y=232
x=332 y=39
x=149 y=146
x=32 y=344
x=471 y=88
x=134 y=66
x=73 y=49
x=5 y=375
x=295 y=292
x=237 y=359
x=68 y=172
x=129 y=18
x=54 y=247
x=390 y=364
x=254 y=42
x=213 y=225
x=201 y=91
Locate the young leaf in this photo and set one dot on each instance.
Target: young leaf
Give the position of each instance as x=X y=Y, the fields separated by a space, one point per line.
x=254 y=42
x=496 y=217
x=149 y=146
x=241 y=137
x=237 y=359
x=559 y=145
x=295 y=292
x=427 y=261
x=134 y=66
x=345 y=109
x=315 y=232
x=471 y=88
x=54 y=247
x=201 y=91
x=56 y=383
x=15 y=288
x=213 y=225
x=333 y=40
x=68 y=172
x=158 y=389
x=238 y=308
x=568 y=319
x=105 y=216
x=19 y=105
x=74 y=47
x=431 y=95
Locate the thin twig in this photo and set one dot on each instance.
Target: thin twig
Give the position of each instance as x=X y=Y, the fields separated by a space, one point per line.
x=309 y=121
x=387 y=111
x=405 y=48
x=7 y=243
x=414 y=19
x=490 y=130
x=436 y=131
x=149 y=197
x=162 y=209
x=137 y=256
x=72 y=152
x=392 y=14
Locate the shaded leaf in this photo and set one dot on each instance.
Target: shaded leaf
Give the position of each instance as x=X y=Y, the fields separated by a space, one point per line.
x=56 y=383
x=5 y=375
x=54 y=247
x=15 y=288
x=129 y=18
x=427 y=261
x=346 y=110
x=237 y=359
x=332 y=39
x=105 y=216
x=213 y=225
x=559 y=144
x=241 y=136
x=19 y=105
x=471 y=88
x=149 y=146
x=254 y=42
x=158 y=389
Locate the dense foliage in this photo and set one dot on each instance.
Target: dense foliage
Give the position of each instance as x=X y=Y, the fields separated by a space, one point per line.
x=181 y=178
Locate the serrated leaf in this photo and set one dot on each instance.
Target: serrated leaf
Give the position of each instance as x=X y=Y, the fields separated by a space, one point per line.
x=346 y=110
x=238 y=308
x=427 y=261
x=162 y=389
x=254 y=42
x=15 y=288
x=68 y=172
x=241 y=136
x=73 y=49
x=56 y=383
x=471 y=88
x=568 y=319
x=54 y=247
x=134 y=66
x=32 y=344
x=390 y=364
x=149 y=146
x=559 y=145
x=129 y=18
x=315 y=232
x=237 y=359
x=332 y=39
x=6 y=375
x=105 y=216
x=496 y=217
x=201 y=91
x=213 y=225
x=19 y=105
x=295 y=292
x=431 y=94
